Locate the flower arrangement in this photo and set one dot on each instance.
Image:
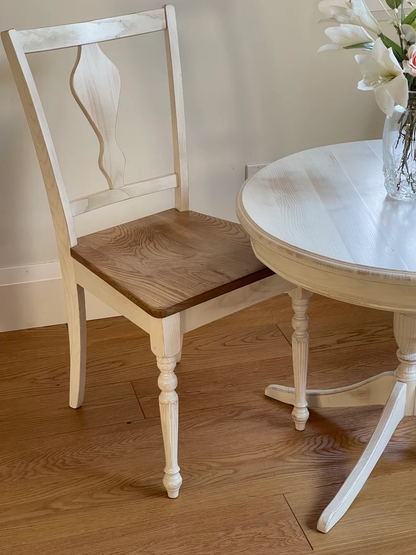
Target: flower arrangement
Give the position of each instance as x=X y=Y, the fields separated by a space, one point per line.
x=388 y=68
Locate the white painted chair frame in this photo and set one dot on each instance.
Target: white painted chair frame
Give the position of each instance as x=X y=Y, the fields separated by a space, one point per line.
x=166 y=334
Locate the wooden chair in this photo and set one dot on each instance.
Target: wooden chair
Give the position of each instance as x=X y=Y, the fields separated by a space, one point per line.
x=168 y=273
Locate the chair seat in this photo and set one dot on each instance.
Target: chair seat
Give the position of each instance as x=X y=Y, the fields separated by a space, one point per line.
x=171 y=261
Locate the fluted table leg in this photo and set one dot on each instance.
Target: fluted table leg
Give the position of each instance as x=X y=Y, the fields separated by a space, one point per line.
x=300 y=351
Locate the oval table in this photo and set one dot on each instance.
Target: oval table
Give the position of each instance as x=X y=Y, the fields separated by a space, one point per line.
x=321 y=220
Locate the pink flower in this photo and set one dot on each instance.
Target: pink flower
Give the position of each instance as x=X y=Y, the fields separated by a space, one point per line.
x=410 y=66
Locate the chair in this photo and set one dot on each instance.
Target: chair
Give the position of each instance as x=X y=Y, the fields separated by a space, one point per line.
x=168 y=273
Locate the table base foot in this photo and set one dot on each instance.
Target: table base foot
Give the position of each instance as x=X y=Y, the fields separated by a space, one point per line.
x=393 y=413
x=374 y=391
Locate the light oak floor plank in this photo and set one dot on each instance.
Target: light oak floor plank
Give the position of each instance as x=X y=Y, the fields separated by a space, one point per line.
x=89 y=481
x=209 y=522
x=75 y=483
x=46 y=415
x=68 y=484
x=220 y=387
x=385 y=508
x=334 y=325
x=118 y=351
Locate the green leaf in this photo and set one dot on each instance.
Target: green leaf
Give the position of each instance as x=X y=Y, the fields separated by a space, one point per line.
x=410 y=18
x=398 y=51
x=362 y=45
x=393 y=4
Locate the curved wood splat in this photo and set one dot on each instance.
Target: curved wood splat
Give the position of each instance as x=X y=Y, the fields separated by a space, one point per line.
x=96 y=86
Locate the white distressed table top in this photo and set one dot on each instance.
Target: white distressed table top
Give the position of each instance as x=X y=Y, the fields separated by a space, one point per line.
x=329 y=205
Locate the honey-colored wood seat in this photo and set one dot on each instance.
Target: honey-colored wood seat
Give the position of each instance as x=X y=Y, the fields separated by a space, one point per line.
x=169 y=273
x=171 y=261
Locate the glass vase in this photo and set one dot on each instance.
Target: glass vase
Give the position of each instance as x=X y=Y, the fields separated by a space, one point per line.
x=399 y=151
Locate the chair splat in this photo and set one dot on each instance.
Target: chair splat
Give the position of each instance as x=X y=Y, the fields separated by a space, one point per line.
x=96 y=85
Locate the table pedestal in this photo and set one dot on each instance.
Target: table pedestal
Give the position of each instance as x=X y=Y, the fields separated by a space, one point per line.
x=396 y=390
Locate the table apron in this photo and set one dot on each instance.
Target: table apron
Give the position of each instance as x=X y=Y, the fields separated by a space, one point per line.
x=348 y=287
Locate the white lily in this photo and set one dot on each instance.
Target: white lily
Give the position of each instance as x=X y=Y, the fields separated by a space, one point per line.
x=382 y=74
x=345 y=36
x=355 y=12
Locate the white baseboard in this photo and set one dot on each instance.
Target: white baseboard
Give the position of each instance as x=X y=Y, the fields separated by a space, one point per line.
x=32 y=297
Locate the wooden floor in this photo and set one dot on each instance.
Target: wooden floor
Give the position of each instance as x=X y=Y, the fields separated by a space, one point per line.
x=89 y=482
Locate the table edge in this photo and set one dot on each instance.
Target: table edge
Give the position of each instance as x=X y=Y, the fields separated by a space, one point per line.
x=313 y=259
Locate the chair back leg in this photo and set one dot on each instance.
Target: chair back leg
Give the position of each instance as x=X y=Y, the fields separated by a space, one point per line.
x=77 y=329
x=166 y=343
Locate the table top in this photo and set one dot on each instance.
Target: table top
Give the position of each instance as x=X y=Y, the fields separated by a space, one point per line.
x=328 y=205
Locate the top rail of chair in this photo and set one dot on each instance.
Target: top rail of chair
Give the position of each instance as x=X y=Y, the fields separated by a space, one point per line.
x=88 y=32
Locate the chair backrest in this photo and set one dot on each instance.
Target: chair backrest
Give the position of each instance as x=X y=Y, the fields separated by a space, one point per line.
x=95 y=84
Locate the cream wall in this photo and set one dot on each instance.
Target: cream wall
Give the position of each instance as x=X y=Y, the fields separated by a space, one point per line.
x=255 y=90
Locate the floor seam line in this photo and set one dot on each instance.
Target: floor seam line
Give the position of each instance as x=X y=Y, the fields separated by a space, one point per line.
x=283 y=333
x=299 y=524
x=138 y=400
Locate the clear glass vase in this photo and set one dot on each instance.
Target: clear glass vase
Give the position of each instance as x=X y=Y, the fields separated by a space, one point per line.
x=399 y=151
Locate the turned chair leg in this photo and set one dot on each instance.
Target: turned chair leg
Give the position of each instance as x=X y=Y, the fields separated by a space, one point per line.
x=169 y=416
x=77 y=330
x=166 y=343
x=300 y=351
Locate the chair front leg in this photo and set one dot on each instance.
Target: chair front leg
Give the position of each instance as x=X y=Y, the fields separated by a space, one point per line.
x=165 y=340
x=169 y=417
